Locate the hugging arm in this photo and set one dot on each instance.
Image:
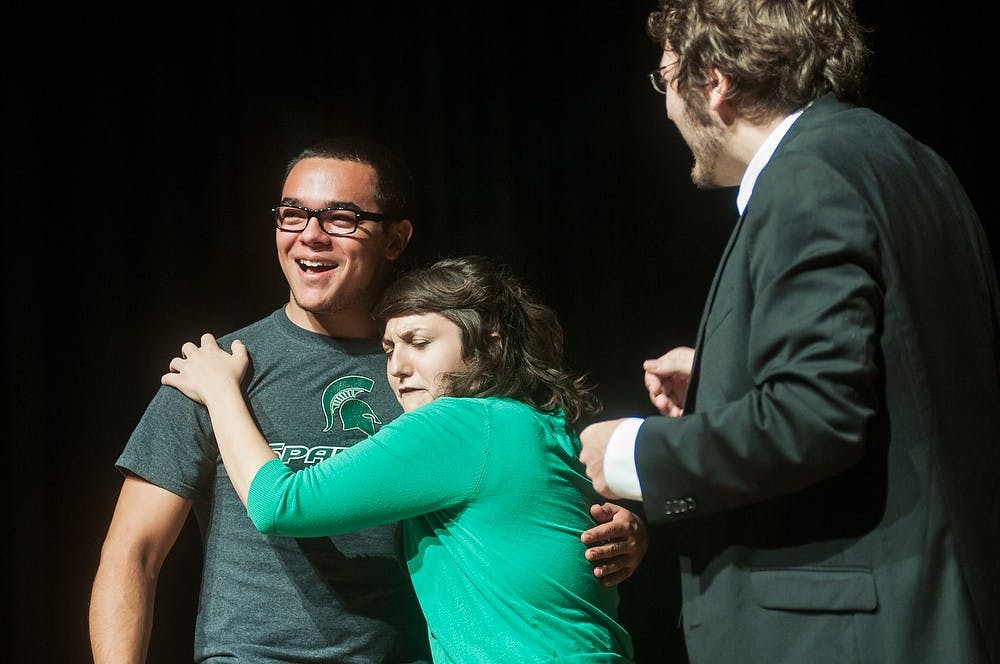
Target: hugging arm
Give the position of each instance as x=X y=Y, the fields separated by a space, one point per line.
x=211 y=376
x=617 y=544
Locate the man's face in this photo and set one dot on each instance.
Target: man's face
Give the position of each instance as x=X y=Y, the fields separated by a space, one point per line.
x=698 y=127
x=335 y=276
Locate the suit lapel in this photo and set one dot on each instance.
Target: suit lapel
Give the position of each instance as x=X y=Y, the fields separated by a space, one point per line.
x=817 y=112
x=692 y=390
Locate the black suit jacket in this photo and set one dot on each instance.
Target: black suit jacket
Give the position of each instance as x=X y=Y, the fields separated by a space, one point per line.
x=834 y=477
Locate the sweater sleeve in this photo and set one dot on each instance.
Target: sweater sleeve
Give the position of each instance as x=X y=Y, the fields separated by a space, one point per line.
x=425 y=460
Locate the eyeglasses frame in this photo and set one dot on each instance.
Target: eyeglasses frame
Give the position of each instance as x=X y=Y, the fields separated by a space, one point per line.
x=656 y=77
x=359 y=216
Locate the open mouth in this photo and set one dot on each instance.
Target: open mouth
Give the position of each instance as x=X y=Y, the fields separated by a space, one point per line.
x=313 y=266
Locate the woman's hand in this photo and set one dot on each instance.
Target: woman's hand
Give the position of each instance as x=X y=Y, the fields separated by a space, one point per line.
x=207 y=372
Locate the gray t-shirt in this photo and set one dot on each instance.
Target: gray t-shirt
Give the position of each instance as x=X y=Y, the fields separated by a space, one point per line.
x=346 y=598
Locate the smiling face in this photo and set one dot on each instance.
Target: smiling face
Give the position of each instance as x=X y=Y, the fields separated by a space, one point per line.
x=420 y=348
x=334 y=280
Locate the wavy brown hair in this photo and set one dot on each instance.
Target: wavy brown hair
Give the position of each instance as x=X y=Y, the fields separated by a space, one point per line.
x=779 y=55
x=511 y=343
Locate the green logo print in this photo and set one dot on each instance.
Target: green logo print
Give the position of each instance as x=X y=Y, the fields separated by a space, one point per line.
x=340 y=398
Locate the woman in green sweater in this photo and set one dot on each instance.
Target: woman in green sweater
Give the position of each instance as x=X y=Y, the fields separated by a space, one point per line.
x=481 y=468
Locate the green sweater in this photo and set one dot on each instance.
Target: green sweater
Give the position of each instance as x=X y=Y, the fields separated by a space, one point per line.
x=493 y=501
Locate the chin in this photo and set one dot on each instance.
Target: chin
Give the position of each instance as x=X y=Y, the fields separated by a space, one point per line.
x=411 y=403
x=704 y=178
x=320 y=304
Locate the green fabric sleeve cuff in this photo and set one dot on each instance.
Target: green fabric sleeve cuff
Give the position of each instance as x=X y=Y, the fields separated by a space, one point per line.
x=264 y=494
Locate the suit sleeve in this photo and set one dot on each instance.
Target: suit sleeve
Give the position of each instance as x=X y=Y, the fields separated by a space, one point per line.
x=426 y=460
x=811 y=266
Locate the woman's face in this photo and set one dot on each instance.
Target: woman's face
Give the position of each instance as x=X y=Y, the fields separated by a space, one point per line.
x=420 y=348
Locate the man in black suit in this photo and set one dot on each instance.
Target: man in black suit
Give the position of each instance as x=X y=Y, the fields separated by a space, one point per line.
x=828 y=451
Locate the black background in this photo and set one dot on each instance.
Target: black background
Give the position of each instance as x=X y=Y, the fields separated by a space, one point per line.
x=146 y=145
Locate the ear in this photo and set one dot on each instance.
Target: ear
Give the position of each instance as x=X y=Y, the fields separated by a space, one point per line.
x=397 y=236
x=718 y=89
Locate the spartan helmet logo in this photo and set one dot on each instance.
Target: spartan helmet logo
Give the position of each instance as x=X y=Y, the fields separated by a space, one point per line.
x=340 y=398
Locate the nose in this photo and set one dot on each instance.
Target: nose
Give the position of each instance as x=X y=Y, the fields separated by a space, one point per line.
x=313 y=233
x=398 y=365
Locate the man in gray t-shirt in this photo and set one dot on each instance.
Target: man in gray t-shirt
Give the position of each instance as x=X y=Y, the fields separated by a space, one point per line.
x=317 y=385
x=339 y=599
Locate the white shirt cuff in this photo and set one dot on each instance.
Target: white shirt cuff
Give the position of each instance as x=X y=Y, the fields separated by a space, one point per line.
x=619 y=460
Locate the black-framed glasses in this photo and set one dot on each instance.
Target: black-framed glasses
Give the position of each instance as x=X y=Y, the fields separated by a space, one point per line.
x=336 y=220
x=660 y=84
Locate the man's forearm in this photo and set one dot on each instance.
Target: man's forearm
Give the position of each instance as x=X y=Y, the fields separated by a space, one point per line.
x=121 y=614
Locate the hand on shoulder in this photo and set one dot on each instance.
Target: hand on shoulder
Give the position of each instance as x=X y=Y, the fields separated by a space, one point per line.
x=207 y=371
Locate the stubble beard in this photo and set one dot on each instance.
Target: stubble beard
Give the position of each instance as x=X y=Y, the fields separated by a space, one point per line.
x=706 y=145
x=334 y=304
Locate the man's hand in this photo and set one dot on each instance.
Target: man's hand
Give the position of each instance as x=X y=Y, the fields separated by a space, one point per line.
x=595 y=440
x=667 y=380
x=617 y=544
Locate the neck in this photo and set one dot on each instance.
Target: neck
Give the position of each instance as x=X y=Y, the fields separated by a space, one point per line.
x=342 y=324
x=745 y=138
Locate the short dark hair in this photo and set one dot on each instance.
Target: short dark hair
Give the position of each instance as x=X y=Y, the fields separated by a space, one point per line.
x=512 y=344
x=393 y=179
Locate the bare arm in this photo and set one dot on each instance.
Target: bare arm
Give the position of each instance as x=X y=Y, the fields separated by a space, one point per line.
x=212 y=377
x=144 y=527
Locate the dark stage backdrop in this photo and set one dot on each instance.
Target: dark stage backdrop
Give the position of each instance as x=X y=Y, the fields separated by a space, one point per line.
x=146 y=146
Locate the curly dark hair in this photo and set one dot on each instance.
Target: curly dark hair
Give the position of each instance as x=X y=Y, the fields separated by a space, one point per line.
x=511 y=343
x=779 y=55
